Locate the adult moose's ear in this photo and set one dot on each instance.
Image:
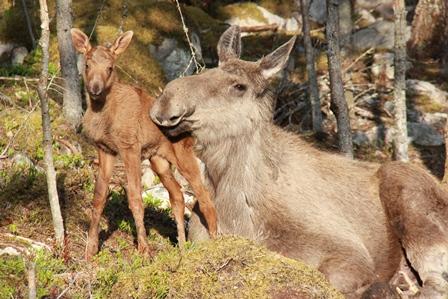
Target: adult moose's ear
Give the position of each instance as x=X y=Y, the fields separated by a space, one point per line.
x=122 y=42
x=80 y=41
x=276 y=61
x=229 y=45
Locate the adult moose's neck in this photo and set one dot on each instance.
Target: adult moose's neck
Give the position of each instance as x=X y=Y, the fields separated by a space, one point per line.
x=236 y=167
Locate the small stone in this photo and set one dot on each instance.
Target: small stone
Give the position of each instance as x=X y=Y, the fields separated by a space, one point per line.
x=18 y=55
x=148 y=178
x=21 y=160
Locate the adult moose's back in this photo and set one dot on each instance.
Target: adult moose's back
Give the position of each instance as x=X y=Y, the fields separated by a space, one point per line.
x=116 y=121
x=272 y=187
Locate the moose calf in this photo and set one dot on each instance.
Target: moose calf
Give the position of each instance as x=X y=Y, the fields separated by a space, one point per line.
x=116 y=121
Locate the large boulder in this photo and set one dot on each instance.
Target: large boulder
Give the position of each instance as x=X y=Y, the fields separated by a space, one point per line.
x=424 y=134
x=175 y=59
x=379 y=35
x=424 y=92
x=251 y=14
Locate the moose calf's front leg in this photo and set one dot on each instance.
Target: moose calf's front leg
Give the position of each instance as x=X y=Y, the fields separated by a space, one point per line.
x=162 y=168
x=106 y=164
x=131 y=158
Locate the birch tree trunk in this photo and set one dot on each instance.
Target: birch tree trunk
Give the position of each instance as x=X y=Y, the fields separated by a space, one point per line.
x=338 y=101
x=401 y=131
x=46 y=126
x=72 y=107
x=313 y=90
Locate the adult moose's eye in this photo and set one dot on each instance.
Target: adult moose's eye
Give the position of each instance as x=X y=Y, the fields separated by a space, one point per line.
x=240 y=87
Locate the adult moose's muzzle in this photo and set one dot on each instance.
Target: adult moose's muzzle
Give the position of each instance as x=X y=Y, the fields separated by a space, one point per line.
x=168 y=116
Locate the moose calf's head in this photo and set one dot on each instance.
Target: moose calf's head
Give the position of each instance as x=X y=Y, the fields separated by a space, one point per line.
x=223 y=101
x=100 y=61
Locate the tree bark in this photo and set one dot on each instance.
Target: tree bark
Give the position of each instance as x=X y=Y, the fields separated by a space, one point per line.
x=401 y=131
x=46 y=126
x=72 y=107
x=338 y=102
x=313 y=89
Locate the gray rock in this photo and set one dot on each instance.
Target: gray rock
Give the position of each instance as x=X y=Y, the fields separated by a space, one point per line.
x=425 y=135
x=318 y=11
x=21 y=160
x=268 y=18
x=418 y=88
x=365 y=18
x=174 y=59
x=436 y=120
x=379 y=35
x=360 y=139
x=5 y=51
x=18 y=55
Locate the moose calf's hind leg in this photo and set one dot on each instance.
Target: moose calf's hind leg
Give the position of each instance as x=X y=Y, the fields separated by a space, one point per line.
x=189 y=169
x=131 y=159
x=162 y=168
x=106 y=164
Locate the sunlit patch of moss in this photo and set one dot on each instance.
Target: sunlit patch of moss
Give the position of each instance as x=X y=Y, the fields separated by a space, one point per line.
x=245 y=10
x=226 y=268
x=284 y=8
x=426 y=104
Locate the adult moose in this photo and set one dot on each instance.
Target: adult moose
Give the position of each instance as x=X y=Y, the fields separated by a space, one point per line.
x=343 y=217
x=116 y=121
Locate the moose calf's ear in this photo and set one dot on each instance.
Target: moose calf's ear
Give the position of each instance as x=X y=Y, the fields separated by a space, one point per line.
x=80 y=41
x=229 y=45
x=122 y=43
x=276 y=61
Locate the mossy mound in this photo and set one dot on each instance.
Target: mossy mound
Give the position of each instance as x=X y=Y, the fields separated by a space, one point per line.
x=226 y=268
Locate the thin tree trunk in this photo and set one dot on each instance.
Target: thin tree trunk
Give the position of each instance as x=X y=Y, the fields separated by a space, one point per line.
x=401 y=131
x=28 y=23
x=338 y=102
x=72 y=107
x=46 y=126
x=31 y=276
x=445 y=174
x=313 y=89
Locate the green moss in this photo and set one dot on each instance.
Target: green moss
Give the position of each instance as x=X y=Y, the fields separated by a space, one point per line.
x=244 y=10
x=426 y=104
x=225 y=268
x=284 y=8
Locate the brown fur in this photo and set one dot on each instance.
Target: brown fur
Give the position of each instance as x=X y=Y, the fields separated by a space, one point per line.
x=116 y=121
x=272 y=187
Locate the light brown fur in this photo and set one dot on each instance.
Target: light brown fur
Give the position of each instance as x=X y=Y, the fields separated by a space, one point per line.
x=116 y=121
x=272 y=187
